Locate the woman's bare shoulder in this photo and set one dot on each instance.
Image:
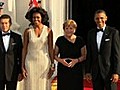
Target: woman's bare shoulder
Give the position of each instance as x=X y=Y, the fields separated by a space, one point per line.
x=27 y=30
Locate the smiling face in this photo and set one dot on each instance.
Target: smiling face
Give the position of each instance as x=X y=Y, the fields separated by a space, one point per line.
x=100 y=19
x=5 y=24
x=69 y=27
x=69 y=30
x=36 y=18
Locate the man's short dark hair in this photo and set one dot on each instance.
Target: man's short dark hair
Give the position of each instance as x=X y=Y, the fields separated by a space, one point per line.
x=6 y=16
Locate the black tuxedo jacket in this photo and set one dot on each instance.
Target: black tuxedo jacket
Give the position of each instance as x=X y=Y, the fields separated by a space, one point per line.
x=10 y=60
x=107 y=59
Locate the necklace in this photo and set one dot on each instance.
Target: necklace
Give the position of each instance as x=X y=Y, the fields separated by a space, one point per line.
x=71 y=39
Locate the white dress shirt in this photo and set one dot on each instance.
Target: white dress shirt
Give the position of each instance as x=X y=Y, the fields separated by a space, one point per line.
x=99 y=37
x=6 y=40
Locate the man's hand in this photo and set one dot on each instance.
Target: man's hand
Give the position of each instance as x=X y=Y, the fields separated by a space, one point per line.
x=20 y=77
x=88 y=77
x=115 y=78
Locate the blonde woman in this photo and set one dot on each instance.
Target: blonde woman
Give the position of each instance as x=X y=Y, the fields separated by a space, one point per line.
x=70 y=52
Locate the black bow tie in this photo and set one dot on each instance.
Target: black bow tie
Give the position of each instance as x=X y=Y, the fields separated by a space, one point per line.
x=6 y=34
x=99 y=30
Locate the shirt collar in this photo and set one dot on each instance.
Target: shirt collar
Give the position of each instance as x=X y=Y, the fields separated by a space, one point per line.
x=5 y=32
x=103 y=27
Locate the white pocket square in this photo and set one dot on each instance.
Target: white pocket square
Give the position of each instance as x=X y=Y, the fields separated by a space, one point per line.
x=107 y=39
x=13 y=43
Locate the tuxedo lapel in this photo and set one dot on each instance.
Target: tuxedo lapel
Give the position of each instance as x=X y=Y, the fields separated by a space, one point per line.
x=94 y=36
x=1 y=43
x=9 y=60
x=105 y=35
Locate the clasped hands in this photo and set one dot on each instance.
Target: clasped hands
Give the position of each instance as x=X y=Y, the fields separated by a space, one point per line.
x=69 y=62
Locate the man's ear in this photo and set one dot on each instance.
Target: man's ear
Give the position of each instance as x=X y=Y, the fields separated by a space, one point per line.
x=106 y=18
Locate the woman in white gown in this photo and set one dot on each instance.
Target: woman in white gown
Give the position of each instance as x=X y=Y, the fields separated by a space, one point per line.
x=37 y=55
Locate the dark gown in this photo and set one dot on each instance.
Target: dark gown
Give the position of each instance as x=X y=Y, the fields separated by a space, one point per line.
x=69 y=78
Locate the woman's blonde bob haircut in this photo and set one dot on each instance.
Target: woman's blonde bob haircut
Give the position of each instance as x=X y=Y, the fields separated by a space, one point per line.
x=70 y=22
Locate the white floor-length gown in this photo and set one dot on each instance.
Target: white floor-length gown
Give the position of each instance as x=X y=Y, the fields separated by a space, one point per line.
x=37 y=62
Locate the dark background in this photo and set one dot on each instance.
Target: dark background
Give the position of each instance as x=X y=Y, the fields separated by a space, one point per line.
x=83 y=13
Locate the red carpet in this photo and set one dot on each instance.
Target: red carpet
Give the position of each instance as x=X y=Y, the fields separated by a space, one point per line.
x=87 y=85
x=118 y=85
x=85 y=88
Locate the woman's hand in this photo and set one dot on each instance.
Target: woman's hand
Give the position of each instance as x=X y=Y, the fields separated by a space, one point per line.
x=64 y=62
x=68 y=64
x=24 y=72
x=51 y=71
x=73 y=62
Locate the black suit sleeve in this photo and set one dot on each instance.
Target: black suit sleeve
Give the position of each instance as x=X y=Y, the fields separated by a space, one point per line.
x=116 y=52
x=88 y=59
x=20 y=54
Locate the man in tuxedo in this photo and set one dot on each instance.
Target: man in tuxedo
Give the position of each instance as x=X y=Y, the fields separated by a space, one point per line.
x=10 y=55
x=103 y=57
